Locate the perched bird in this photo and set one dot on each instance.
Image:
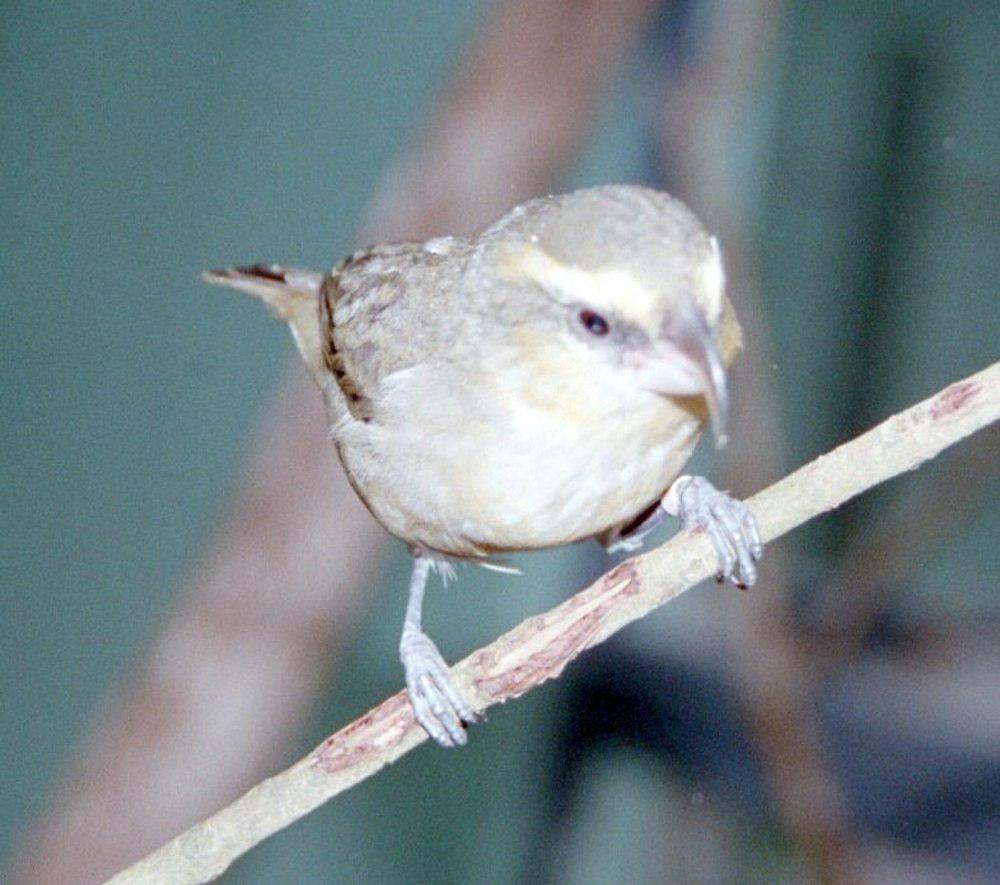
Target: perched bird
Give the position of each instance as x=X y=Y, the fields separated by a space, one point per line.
x=537 y=383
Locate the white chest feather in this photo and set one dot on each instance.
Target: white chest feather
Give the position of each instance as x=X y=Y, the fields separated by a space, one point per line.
x=507 y=463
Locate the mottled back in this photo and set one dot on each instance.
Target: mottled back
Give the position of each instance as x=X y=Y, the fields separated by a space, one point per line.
x=385 y=309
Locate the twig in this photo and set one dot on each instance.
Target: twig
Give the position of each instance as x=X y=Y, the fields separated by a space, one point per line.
x=879 y=562
x=540 y=647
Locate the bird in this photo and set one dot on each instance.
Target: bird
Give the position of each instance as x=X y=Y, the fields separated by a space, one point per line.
x=536 y=383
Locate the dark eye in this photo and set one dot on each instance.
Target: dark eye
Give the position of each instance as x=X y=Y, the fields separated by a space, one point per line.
x=594 y=322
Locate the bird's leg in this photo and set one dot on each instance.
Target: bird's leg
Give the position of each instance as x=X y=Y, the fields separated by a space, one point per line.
x=630 y=538
x=437 y=705
x=728 y=522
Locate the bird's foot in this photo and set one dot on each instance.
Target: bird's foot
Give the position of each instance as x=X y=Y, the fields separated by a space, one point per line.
x=437 y=704
x=730 y=526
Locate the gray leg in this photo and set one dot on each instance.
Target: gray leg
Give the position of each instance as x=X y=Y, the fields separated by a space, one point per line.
x=631 y=541
x=728 y=522
x=437 y=705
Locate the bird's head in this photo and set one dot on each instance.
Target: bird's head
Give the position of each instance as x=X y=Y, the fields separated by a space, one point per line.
x=627 y=284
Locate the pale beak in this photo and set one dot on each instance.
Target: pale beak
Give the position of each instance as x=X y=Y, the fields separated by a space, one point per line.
x=686 y=362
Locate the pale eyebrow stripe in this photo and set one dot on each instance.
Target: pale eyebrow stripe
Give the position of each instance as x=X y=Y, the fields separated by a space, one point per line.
x=632 y=301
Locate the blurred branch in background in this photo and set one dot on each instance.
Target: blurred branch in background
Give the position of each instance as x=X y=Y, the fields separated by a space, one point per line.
x=540 y=647
x=236 y=668
x=706 y=103
x=514 y=117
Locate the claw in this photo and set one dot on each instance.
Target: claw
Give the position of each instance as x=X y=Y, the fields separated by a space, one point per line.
x=728 y=522
x=437 y=704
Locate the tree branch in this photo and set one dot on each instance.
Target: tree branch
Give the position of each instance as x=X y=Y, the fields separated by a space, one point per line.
x=540 y=647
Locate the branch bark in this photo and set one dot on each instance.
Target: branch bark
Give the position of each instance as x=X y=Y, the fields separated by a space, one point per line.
x=540 y=647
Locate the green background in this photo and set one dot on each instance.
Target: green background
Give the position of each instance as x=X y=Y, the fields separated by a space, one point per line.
x=141 y=143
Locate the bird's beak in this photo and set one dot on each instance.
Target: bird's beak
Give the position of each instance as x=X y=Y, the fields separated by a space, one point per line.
x=686 y=362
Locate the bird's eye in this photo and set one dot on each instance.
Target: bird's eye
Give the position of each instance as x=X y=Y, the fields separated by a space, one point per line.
x=594 y=322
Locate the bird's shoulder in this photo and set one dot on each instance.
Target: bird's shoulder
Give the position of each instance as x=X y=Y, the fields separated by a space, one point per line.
x=382 y=310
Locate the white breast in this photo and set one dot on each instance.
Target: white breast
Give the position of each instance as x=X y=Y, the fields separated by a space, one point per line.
x=467 y=468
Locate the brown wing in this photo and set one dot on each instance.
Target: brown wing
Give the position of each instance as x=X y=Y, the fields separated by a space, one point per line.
x=333 y=359
x=374 y=312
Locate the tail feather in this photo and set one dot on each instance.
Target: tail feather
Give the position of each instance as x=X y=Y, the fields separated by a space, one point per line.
x=290 y=293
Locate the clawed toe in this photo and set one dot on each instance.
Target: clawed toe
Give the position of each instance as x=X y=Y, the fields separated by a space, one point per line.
x=437 y=704
x=730 y=526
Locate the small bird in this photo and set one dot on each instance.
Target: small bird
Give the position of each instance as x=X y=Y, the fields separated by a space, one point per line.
x=540 y=382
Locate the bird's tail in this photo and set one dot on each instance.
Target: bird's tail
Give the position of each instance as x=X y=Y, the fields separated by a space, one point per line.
x=290 y=293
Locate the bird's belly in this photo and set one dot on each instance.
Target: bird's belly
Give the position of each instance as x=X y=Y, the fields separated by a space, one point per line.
x=557 y=488
x=513 y=482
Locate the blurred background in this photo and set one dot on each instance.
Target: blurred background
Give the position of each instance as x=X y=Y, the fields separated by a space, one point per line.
x=192 y=597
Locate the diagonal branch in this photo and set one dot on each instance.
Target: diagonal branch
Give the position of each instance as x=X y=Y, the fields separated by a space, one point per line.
x=540 y=647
